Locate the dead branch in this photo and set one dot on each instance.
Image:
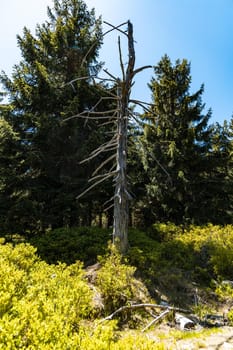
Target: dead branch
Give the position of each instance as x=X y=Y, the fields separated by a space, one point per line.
x=136 y=71
x=106 y=145
x=97 y=153
x=114 y=96
x=101 y=113
x=108 y=148
x=100 y=100
x=93 y=77
x=109 y=207
x=162 y=315
x=134 y=116
x=86 y=115
x=108 y=201
x=113 y=167
x=77 y=79
x=97 y=40
x=145 y=305
x=128 y=194
x=151 y=313
x=101 y=176
x=103 y=79
x=113 y=156
x=120 y=57
x=112 y=121
x=142 y=102
x=116 y=28
x=111 y=75
x=130 y=68
x=95 y=184
x=108 y=91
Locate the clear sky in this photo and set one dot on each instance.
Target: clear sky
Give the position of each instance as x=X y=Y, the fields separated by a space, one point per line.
x=199 y=30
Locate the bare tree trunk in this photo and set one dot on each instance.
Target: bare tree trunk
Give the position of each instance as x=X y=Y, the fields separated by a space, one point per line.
x=121 y=198
x=121 y=211
x=118 y=141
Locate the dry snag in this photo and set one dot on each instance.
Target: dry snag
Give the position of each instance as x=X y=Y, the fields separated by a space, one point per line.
x=118 y=143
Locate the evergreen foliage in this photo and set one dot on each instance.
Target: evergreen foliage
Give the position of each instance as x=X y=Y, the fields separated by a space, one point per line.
x=181 y=166
x=43 y=93
x=70 y=244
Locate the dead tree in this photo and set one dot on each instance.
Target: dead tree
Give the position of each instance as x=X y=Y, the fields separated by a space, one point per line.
x=121 y=197
x=119 y=116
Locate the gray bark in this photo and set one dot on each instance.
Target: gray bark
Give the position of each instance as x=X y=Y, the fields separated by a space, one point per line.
x=121 y=198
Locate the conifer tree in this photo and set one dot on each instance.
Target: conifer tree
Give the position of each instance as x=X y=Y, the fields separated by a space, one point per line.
x=176 y=141
x=218 y=205
x=44 y=92
x=10 y=163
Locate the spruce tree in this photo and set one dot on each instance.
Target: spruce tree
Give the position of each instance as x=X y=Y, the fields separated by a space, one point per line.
x=10 y=165
x=218 y=205
x=44 y=92
x=176 y=142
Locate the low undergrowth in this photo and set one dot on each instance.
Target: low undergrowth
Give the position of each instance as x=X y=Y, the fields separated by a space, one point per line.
x=48 y=306
x=48 y=301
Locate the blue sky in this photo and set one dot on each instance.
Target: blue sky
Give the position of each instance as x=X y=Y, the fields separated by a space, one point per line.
x=199 y=30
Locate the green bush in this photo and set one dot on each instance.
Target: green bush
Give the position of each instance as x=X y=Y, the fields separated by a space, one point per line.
x=117 y=283
x=213 y=248
x=45 y=307
x=40 y=302
x=164 y=231
x=171 y=258
x=71 y=244
x=52 y=306
x=230 y=317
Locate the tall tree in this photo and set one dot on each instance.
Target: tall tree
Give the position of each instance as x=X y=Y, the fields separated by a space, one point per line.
x=10 y=162
x=176 y=141
x=120 y=116
x=218 y=205
x=43 y=92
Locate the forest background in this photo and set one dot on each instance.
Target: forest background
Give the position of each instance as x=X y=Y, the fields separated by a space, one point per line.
x=57 y=111
x=179 y=161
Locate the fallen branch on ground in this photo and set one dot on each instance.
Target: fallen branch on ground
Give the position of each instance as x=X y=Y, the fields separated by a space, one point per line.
x=163 y=314
x=138 y=306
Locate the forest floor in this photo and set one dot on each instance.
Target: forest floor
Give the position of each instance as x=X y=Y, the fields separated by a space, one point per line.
x=219 y=339
x=200 y=337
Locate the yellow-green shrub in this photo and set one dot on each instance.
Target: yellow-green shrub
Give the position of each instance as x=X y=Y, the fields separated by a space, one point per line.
x=230 y=317
x=119 y=287
x=137 y=341
x=41 y=305
x=115 y=281
x=46 y=307
x=195 y=253
x=213 y=246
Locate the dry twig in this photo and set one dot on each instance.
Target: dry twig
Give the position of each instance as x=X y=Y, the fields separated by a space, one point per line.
x=144 y=305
